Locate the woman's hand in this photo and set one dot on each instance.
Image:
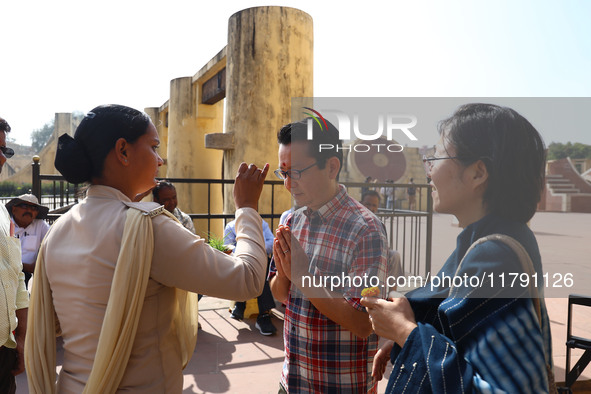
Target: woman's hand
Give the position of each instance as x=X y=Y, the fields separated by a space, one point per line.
x=380 y=360
x=249 y=185
x=393 y=319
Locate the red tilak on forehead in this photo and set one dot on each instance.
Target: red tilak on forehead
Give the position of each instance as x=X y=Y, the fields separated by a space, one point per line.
x=283 y=164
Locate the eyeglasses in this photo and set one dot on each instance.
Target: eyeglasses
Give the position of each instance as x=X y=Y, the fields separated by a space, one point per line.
x=428 y=161
x=7 y=152
x=27 y=206
x=293 y=174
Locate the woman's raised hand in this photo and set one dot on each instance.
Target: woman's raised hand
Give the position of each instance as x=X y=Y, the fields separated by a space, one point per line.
x=248 y=185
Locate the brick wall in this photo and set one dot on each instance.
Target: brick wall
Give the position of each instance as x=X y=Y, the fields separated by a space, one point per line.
x=563 y=167
x=580 y=203
x=566 y=202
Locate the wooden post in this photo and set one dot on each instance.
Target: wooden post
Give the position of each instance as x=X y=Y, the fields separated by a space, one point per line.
x=36 y=181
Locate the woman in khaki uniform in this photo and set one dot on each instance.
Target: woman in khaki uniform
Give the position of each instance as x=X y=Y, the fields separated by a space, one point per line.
x=117 y=286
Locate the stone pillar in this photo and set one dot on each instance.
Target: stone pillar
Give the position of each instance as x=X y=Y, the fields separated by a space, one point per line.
x=269 y=61
x=61 y=125
x=186 y=155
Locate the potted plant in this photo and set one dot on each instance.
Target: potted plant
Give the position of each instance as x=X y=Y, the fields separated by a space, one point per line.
x=218 y=243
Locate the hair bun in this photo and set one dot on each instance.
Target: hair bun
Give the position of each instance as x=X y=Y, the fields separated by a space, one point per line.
x=71 y=160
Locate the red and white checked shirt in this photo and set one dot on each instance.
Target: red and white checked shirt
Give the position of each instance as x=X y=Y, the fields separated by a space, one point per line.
x=342 y=237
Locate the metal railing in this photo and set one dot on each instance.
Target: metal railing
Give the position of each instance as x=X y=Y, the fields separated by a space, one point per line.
x=409 y=231
x=273 y=215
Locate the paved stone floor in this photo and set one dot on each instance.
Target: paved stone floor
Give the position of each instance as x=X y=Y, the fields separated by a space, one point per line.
x=233 y=357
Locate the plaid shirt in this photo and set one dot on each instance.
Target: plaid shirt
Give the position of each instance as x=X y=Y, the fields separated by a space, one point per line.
x=341 y=238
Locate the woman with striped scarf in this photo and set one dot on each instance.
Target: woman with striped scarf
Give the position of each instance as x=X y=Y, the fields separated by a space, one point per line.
x=465 y=331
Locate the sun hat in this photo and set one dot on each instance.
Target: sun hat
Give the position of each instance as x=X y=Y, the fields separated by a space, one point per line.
x=30 y=199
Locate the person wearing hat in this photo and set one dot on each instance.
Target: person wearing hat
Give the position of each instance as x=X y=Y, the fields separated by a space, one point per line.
x=30 y=228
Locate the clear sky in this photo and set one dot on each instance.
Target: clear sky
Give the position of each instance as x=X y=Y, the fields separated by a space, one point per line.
x=65 y=56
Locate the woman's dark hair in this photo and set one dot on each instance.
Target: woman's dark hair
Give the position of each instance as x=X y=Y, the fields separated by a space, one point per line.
x=512 y=150
x=298 y=131
x=81 y=158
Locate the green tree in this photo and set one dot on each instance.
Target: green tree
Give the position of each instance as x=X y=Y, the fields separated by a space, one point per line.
x=557 y=150
x=40 y=136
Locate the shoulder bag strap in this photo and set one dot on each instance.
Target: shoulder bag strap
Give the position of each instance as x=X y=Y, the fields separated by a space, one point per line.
x=527 y=267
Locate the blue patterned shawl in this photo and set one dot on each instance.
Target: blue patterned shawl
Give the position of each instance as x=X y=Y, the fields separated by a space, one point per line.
x=467 y=343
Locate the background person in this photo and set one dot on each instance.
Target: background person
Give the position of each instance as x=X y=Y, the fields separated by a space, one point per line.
x=412 y=195
x=165 y=194
x=371 y=200
x=105 y=237
x=30 y=228
x=388 y=193
x=265 y=300
x=13 y=294
x=366 y=188
x=488 y=171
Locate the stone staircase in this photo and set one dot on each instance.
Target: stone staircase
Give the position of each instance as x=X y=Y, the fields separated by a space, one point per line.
x=566 y=190
x=559 y=184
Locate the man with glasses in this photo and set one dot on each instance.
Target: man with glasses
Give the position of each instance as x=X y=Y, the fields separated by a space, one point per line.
x=328 y=338
x=14 y=300
x=30 y=228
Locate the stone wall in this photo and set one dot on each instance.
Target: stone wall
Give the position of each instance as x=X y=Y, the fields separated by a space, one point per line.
x=566 y=190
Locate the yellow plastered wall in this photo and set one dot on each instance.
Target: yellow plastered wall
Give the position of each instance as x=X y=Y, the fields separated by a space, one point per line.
x=186 y=154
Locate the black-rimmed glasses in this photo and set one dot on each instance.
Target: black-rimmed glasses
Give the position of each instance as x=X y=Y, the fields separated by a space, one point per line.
x=428 y=161
x=7 y=152
x=293 y=174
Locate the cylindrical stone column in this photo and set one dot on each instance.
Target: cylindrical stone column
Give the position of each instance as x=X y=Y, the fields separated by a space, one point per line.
x=269 y=61
x=186 y=154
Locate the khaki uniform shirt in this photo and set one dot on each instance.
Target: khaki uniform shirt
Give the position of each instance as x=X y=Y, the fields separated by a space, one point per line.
x=80 y=252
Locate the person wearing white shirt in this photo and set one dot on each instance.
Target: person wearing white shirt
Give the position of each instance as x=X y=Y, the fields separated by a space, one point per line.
x=30 y=228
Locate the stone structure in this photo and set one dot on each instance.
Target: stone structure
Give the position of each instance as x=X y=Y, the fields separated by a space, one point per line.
x=566 y=190
x=182 y=124
x=62 y=124
x=269 y=61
